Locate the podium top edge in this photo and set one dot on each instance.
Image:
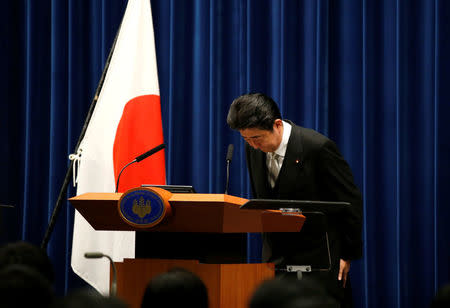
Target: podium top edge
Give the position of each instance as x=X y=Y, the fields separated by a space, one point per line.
x=176 y=197
x=207 y=198
x=97 y=196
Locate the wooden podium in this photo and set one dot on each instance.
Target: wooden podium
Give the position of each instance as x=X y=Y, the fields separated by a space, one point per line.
x=229 y=284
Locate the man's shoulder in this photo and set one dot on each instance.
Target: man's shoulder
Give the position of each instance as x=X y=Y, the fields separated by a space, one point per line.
x=308 y=136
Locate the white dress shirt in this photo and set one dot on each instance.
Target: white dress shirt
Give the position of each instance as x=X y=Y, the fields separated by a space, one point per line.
x=274 y=160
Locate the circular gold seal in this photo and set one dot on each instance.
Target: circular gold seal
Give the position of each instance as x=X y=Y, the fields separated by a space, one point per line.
x=144 y=207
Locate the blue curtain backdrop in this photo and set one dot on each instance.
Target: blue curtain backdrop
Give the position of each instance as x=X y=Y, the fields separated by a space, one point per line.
x=371 y=74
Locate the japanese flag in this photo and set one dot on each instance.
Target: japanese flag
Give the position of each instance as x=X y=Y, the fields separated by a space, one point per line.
x=125 y=123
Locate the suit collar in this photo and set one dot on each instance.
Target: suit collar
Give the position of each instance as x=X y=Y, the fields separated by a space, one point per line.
x=259 y=173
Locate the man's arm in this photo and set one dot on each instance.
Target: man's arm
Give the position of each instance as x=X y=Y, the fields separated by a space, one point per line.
x=338 y=185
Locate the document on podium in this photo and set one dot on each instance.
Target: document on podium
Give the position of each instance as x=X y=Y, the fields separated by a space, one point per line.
x=326 y=207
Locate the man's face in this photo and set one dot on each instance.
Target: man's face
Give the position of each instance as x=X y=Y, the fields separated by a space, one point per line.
x=264 y=140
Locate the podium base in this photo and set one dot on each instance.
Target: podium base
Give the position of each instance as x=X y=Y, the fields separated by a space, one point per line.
x=229 y=285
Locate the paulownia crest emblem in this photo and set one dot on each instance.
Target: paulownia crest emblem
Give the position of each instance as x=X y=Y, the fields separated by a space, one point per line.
x=142 y=207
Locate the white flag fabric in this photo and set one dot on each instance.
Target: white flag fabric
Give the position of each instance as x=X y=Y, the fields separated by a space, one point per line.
x=126 y=122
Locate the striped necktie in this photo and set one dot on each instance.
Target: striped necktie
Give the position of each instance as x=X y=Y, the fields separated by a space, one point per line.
x=274 y=168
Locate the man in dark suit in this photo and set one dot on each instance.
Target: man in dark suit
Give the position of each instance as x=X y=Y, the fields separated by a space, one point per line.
x=286 y=161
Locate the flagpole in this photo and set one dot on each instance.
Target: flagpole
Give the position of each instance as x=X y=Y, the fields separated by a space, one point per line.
x=63 y=191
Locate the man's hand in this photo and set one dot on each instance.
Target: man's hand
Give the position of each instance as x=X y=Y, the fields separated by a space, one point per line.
x=344 y=268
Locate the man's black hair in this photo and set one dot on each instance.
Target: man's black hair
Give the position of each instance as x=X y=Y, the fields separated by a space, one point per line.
x=27 y=254
x=176 y=288
x=88 y=298
x=291 y=293
x=253 y=110
x=22 y=286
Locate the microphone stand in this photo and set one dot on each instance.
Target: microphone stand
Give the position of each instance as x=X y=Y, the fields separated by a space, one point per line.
x=138 y=159
x=228 y=176
x=120 y=173
x=99 y=255
x=228 y=160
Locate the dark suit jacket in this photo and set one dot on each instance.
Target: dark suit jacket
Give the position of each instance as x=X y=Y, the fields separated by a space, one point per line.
x=313 y=169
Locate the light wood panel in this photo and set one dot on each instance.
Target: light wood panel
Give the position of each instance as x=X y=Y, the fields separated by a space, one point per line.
x=229 y=285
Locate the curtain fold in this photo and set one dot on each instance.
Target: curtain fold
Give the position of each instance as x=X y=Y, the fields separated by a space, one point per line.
x=370 y=74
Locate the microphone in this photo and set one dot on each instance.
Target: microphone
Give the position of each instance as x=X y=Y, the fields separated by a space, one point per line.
x=149 y=153
x=139 y=158
x=93 y=255
x=6 y=205
x=228 y=160
x=230 y=153
x=99 y=255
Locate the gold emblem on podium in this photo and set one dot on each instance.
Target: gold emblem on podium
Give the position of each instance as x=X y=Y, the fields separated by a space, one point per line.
x=142 y=208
